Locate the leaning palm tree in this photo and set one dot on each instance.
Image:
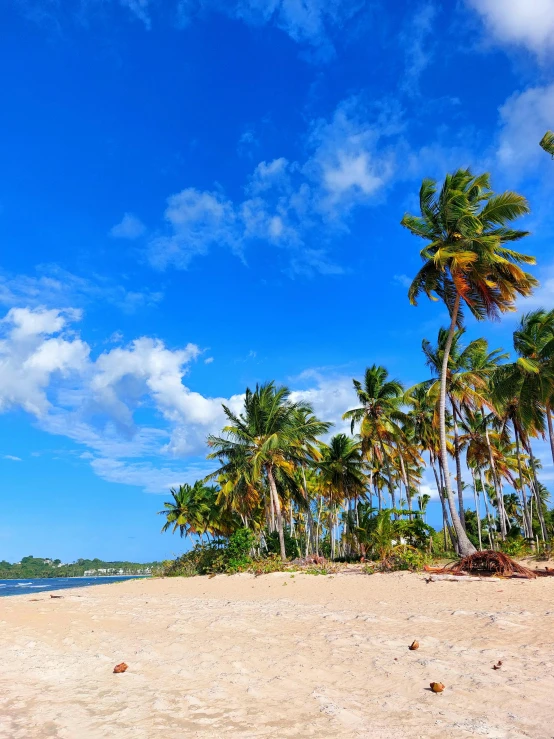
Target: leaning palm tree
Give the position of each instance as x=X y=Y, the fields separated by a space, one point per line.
x=265 y=445
x=547 y=142
x=467 y=264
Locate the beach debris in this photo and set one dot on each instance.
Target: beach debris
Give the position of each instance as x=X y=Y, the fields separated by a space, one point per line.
x=498 y=665
x=487 y=562
x=121 y=667
x=437 y=687
x=56 y=596
x=312 y=559
x=212 y=575
x=414 y=645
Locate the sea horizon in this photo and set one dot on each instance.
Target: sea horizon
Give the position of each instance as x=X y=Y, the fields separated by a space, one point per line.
x=29 y=585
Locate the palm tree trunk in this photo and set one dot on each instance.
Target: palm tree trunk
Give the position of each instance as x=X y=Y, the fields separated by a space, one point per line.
x=527 y=525
x=278 y=514
x=465 y=547
x=496 y=483
x=459 y=481
x=379 y=497
x=485 y=498
x=389 y=475
x=536 y=490
x=406 y=482
x=476 y=498
x=440 y=485
x=550 y=428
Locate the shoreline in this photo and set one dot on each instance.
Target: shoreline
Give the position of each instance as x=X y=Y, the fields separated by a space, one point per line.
x=283 y=653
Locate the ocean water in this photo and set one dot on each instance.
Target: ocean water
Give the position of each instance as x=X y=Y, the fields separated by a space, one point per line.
x=45 y=585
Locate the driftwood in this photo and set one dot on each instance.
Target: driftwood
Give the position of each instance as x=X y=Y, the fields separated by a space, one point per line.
x=459 y=578
x=486 y=563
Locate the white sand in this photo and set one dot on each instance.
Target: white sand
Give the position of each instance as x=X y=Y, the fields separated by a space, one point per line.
x=303 y=656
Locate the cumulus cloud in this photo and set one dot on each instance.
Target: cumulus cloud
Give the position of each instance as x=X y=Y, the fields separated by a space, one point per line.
x=524 y=118
x=527 y=23
x=31 y=358
x=129 y=407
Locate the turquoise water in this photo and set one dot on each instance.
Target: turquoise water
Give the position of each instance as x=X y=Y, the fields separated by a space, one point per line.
x=45 y=585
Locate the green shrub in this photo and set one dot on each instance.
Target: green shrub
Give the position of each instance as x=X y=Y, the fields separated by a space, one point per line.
x=408 y=559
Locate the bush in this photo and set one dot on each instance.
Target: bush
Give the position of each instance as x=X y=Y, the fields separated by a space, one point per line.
x=228 y=556
x=409 y=559
x=515 y=546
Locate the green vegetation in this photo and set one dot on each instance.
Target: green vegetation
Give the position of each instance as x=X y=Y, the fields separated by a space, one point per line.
x=33 y=567
x=281 y=489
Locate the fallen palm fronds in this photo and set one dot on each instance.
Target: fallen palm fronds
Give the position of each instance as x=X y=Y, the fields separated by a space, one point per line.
x=487 y=562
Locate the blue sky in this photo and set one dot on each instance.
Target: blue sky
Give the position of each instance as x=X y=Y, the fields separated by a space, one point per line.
x=199 y=195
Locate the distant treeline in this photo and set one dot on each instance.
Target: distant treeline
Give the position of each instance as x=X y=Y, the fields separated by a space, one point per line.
x=34 y=567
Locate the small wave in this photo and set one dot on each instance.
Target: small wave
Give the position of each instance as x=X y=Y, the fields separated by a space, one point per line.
x=38 y=586
x=24 y=585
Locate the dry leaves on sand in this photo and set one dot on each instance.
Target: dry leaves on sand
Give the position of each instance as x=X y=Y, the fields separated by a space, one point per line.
x=121 y=667
x=414 y=645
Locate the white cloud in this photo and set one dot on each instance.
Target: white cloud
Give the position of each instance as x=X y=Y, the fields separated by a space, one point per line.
x=130 y=227
x=346 y=164
x=208 y=360
x=30 y=358
x=349 y=164
x=11 y=458
x=139 y=8
x=306 y=21
x=524 y=119
x=417 y=44
x=54 y=286
x=402 y=279
x=197 y=220
x=528 y=23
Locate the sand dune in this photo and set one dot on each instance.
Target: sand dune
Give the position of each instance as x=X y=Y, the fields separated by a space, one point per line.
x=302 y=656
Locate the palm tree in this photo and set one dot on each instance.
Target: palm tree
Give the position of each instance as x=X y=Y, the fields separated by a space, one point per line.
x=547 y=142
x=192 y=510
x=266 y=444
x=378 y=415
x=534 y=344
x=342 y=474
x=467 y=264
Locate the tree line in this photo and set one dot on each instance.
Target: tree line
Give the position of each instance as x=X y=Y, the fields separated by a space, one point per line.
x=476 y=411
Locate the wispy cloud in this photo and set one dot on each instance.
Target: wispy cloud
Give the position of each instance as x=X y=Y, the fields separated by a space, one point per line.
x=526 y=23
x=53 y=286
x=348 y=163
x=11 y=458
x=130 y=227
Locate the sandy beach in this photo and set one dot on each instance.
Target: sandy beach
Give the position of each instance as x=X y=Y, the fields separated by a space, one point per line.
x=301 y=656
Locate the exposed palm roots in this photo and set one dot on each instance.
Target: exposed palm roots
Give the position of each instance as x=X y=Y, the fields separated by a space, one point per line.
x=487 y=562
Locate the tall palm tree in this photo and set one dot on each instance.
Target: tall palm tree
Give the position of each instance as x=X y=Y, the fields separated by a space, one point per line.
x=467 y=264
x=534 y=344
x=342 y=473
x=266 y=443
x=379 y=416
x=547 y=142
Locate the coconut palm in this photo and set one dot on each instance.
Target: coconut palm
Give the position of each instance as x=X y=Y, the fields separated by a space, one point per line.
x=342 y=474
x=193 y=509
x=266 y=443
x=534 y=344
x=547 y=142
x=467 y=264
x=378 y=416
